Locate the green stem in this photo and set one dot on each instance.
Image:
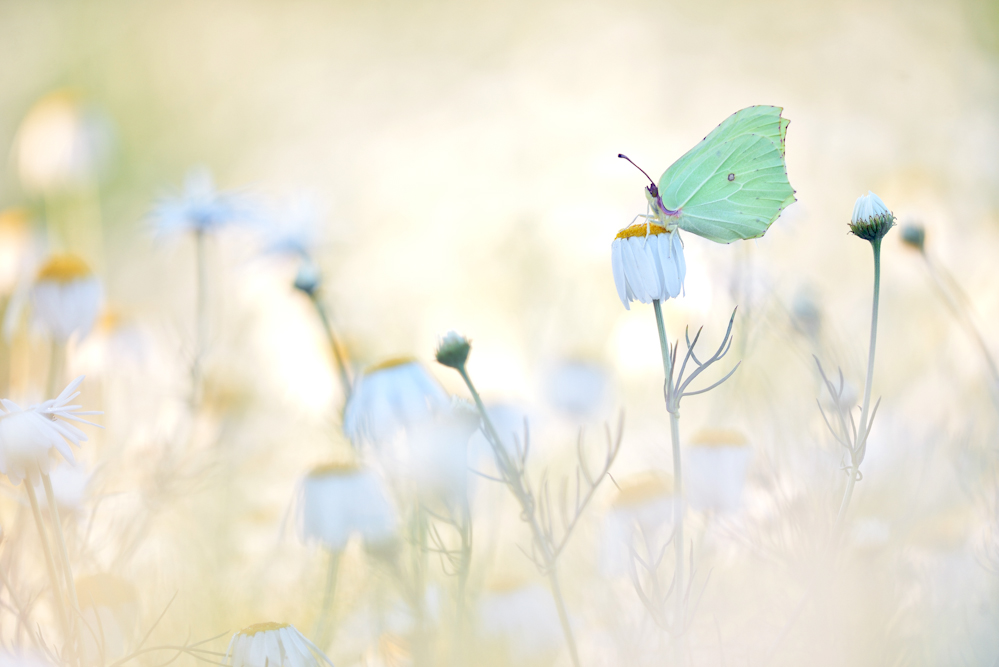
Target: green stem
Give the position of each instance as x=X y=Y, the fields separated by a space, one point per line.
x=458 y=649
x=341 y=363
x=49 y=561
x=516 y=484
x=678 y=541
x=861 y=443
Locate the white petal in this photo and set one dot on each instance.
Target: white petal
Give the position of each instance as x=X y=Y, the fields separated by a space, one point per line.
x=617 y=266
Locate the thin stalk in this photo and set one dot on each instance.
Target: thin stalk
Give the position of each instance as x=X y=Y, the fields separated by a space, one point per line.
x=516 y=485
x=958 y=306
x=323 y=623
x=49 y=562
x=861 y=443
x=341 y=363
x=678 y=542
x=67 y=571
x=200 y=313
x=57 y=359
x=465 y=566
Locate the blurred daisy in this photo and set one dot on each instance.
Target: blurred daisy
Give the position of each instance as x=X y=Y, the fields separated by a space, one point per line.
x=391 y=398
x=435 y=456
x=578 y=388
x=66 y=297
x=273 y=645
x=294 y=231
x=61 y=143
x=28 y=436
x=523 y=617
x=69 y=484
x=648 y=264
x=109 y=606
x=715 y=469
x=339 y=501
x=116 y=344
x=16 y=247
x=22 y=658
x=199 y=208
x=643 y=508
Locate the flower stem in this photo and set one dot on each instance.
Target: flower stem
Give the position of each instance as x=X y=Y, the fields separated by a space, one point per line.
x=516 y=485
x=341 y=363
x=323 y=624
x=57 y=359
x=61 y=541
x=678 y=542
x=49 y=562
x=861 y=444
x=200 y=314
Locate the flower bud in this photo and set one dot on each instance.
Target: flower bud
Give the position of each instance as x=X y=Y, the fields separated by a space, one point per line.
x=914 y=236
x=871 y=218
x=453 y=350
x=308 y=278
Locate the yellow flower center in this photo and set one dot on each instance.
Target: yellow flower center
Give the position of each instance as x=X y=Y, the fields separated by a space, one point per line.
x=63 y=268
x=718 y=437
x=390 y=363
x=641 y=230
x=269 y=626
x=643 y=488
x=334 y=468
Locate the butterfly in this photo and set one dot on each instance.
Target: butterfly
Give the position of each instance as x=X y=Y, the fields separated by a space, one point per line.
x=732 y=185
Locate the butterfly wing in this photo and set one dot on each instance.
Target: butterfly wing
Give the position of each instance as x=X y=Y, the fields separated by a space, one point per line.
x=733 y=184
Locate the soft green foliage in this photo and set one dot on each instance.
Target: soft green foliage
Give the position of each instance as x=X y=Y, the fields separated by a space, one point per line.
x=733 y=184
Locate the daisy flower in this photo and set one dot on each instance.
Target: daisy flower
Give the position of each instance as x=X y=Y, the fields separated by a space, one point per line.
x=716 y=463
x=273 y=645
x=648 y=264
x=66 y=297
x=28 y=435
x=200 y=207
x=391 y=398
x=339 y=501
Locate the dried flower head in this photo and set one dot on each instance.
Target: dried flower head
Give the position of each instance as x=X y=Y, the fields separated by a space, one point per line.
x=453 y=349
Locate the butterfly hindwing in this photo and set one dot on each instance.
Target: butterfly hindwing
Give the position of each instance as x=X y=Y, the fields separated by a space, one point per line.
x=733 y=184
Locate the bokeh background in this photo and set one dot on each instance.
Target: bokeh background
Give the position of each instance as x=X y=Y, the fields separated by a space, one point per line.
x=461 y=162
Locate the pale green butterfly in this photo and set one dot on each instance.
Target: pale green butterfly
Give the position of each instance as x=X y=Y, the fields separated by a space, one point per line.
x=730 y=186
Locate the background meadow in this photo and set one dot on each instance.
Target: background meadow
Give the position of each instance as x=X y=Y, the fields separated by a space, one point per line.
x=453 y=166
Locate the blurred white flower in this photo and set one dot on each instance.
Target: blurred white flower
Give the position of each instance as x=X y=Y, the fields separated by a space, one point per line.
x=109 y=605
x=642 y=509
x=66 y=297
x=199 y=208
x=116 y=344
x=69 y=484
x=339 y=501
x=61 y=143
x=392 y=398
x=523 y=617
x=435 y=455
x=28 y=436
x=16 y=247
x=294 y=231
x=22 y=658
x=715 y=466
x=510 y=422
x=273 y=645
x=647 y=268
x=579 y=389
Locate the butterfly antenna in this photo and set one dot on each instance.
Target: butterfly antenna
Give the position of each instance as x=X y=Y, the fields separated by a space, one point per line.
x=625 y=157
